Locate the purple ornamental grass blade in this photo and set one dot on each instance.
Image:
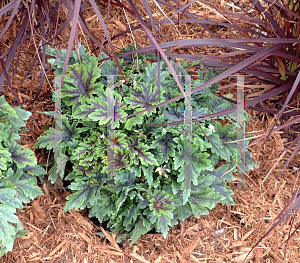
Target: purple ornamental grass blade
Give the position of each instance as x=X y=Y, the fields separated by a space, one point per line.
x=107 y=36
x=6 y=77
x=289 y=123
x=292 y=156
x=248 y=104
x=60 y=30
x=29 y=69
x=281 y=156
x=11 y=17
x=163 y=22
x=293 y=113
x=187 y=13
x=5 y=9
x=75 y=15
x=291 y=93
x=216 y=79
x=280 y=217
x=290 y=235
x=165 y=58
x=139 y=18
x=43 y=60
x=283 y=7
x=266 y=77
x=199 y=21
x=87 y=30
x=234 y=43
x=290 y=57
x=264 y=11
x=11 y=52
x=48 y=19
x=149 y=12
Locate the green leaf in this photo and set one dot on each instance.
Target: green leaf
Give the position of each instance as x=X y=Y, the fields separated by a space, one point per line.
x=181 y=211
x=5 y=157
x=162 y=223
x=225 y=191
x=80 y=84
x=139 y=230
x=80 y=198
x=20 y=232
x=174 y=113
x=144 y=96
x=96 y=109
x=165 y=142
x=16 y=186
x=50 y=140
x=201 y=200
x=18 y=122
x=6 y=109
x=141 y=152
x=60 y=57
x=131 y=216
x=25 y=186
x=61 y=164
x=35 y=170
x=148 y=172
x=7 y=232
x=104 y=207
x=21 y=157
x=135 y=120
x=8 y=197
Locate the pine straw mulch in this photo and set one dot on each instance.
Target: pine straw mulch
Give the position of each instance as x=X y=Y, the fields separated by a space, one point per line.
x=225 y=235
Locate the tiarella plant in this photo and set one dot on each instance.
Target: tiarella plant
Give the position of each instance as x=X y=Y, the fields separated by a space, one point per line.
x=149 y=191
x=18 y=168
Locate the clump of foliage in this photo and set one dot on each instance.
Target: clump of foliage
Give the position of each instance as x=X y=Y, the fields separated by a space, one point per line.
x=151 y=190
x=18 y=168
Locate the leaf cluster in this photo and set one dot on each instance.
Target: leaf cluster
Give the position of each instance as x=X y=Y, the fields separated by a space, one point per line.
x=130 y=173
x=18 y=168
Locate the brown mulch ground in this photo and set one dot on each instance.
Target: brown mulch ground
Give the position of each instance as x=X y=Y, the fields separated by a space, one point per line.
x=69 y=237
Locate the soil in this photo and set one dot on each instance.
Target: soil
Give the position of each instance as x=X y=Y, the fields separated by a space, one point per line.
x=225 y=235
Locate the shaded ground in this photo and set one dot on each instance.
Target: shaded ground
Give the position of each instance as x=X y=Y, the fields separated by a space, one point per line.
x=69 y=237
